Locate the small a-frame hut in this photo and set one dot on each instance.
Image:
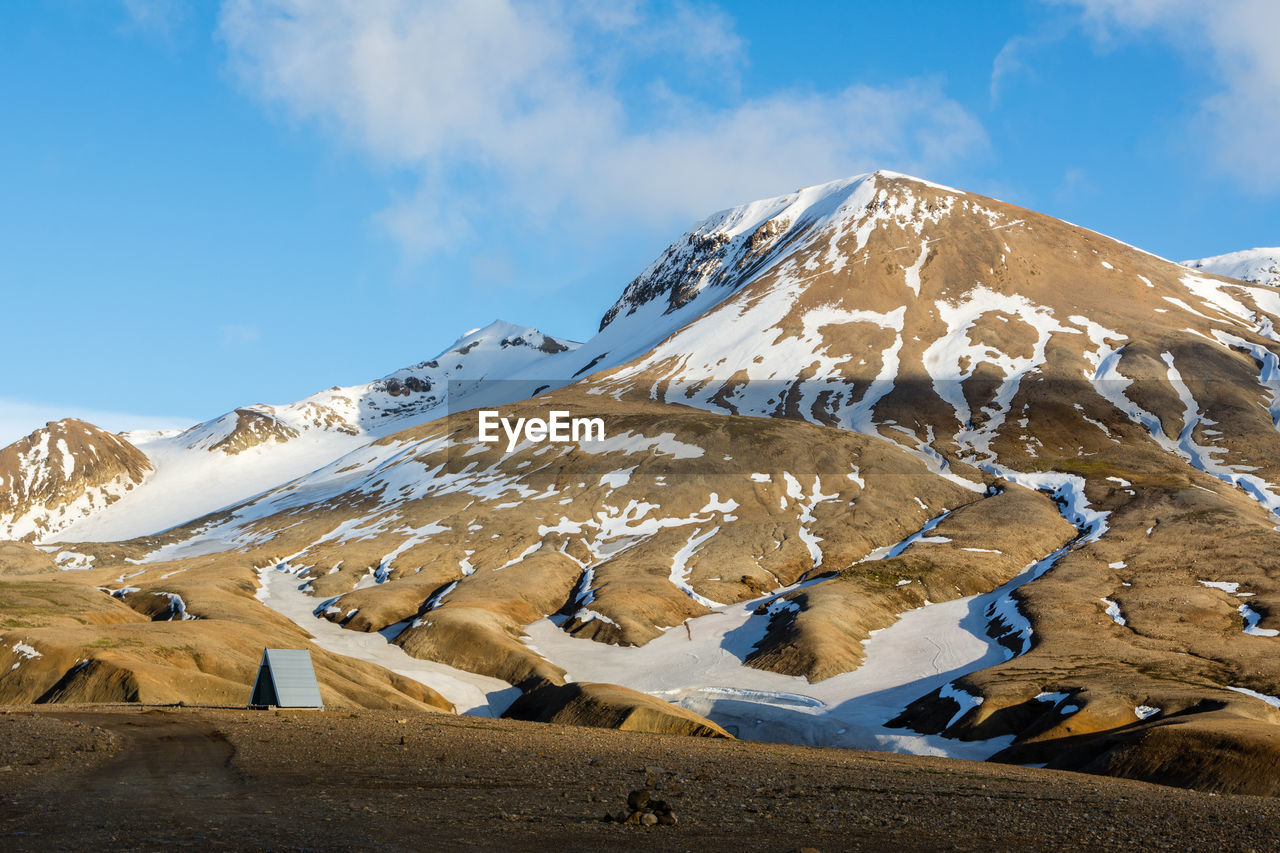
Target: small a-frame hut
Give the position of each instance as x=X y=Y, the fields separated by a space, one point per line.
x=286 y=679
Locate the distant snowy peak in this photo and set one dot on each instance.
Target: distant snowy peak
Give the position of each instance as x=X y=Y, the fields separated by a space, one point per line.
x=240 y=430
x=62 y=472
x=731 y=247
x=498 y=348
x=1259 y=266
x=493 y=352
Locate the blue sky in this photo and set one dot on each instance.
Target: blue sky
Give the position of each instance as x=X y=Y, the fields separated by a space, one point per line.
x=206 y=205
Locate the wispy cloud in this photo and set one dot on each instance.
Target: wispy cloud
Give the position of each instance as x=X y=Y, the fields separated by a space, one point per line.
x=535 y=109
x=1237 y=40
x=1075 y=184
x=1014 y=59
x=238 y=334
x=158 y=19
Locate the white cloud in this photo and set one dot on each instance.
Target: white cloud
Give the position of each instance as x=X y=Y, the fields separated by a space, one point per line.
x=1240 y=40
x=19 y=418
x=1007 y=62
x=534 y=109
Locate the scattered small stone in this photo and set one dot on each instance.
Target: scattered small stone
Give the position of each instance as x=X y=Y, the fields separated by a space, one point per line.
x=642 y=810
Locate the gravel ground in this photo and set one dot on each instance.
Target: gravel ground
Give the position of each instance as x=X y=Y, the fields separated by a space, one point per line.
x=117 y=777
x=33 y=744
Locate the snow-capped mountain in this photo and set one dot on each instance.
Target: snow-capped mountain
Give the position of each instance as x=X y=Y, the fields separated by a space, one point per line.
x=387 y=404
x=1258 y=266
x=887 y=464
x=62 y=472
x=250 y=449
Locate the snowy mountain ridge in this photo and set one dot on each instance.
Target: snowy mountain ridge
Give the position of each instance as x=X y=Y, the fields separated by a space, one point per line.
x=1258 y=266
x=390 y=403
x=254 y=448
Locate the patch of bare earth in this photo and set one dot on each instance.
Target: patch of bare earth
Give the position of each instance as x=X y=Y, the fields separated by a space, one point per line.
x=387 y=780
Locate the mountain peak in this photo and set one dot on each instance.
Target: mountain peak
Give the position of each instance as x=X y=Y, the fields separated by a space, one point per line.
x=736 y=244
x=64 y=470
x=1258 y=266
x=503 y=335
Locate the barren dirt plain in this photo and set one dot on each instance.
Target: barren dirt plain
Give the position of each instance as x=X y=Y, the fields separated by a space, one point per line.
x=130 y=777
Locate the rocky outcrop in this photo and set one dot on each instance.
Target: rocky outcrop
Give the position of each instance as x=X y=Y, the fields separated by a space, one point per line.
x=1215 y=750
x=722 y=251
x=246 y=428
x=611 y=707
